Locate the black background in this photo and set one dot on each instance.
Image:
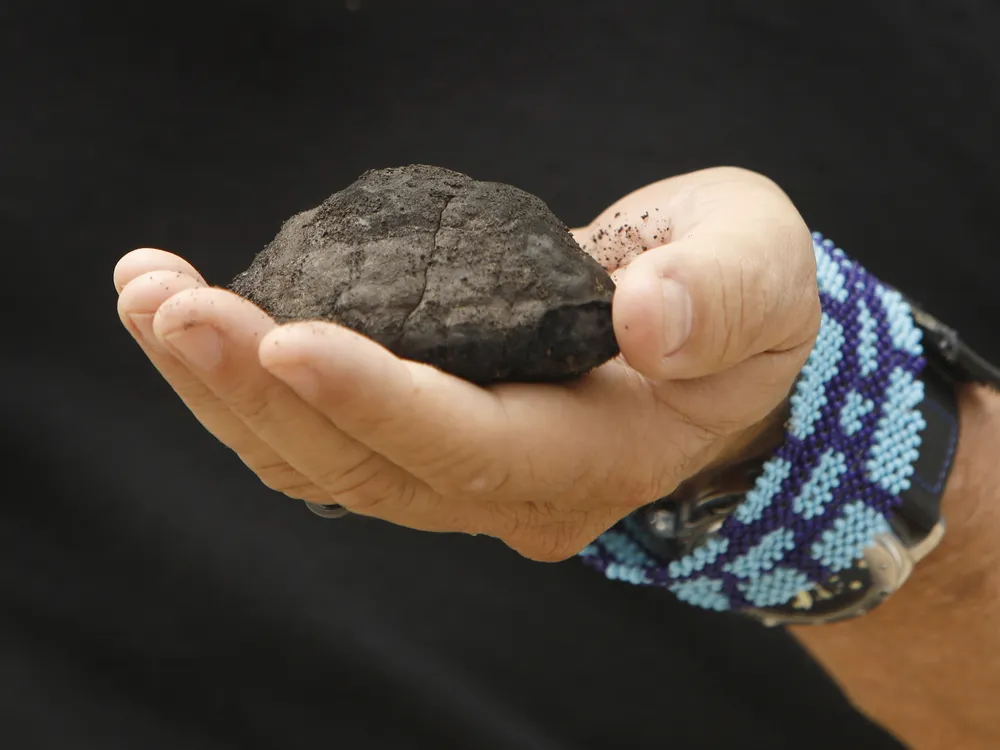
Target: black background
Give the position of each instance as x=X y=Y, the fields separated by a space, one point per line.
x=153 y=594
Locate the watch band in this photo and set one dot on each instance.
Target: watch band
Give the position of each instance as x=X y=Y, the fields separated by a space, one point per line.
x=675 y=525
x=916 y=524
x=834 y=521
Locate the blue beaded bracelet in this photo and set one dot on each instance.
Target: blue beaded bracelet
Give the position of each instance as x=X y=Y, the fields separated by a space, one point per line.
x=848 y=452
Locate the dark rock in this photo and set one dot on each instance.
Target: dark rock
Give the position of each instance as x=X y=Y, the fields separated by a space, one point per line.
x=479 y=279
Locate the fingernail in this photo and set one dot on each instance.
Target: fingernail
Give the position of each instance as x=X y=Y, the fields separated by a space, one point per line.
x=200 y=346
x=676 y=316
x=301 y=379
x=143 y=323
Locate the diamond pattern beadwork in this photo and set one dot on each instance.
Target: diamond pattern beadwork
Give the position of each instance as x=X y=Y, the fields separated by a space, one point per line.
x=848 y=452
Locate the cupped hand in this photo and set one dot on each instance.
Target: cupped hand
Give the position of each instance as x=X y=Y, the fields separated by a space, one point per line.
x=715 y=311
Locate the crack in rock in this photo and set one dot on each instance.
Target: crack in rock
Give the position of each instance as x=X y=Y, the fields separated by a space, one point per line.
x=430 y=264
x=531 y=305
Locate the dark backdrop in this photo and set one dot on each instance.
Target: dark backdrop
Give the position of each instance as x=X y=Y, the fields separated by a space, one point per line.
x=153 y=594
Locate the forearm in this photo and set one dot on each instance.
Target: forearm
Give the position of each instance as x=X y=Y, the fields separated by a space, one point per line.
x=926 y=665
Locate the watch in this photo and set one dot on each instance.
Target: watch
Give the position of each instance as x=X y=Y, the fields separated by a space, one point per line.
x=677 y=525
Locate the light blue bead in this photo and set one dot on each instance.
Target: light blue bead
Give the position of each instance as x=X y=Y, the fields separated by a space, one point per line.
x=766 y=574
x=774 y=473
x=820 y=368
x=819 y=490
x=702 y=592
x=867 y=340
x=776 y=587
x=627 y=573
x=840 y=546
x=698 y=558
x=763 y=555
x=902 y=330
x=623 y=549
x=829 y=279
x=897 y=434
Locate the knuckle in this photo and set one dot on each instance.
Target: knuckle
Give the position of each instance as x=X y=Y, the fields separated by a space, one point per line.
x=369 y=488
x=280 y=477
x=250 y=403
x=355 y=478
x=312 y=494
x=247 y=398
x=202 y=402
x=386 y=502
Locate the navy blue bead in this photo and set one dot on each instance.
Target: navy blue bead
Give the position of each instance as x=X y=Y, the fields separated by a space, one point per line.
x=803 y=455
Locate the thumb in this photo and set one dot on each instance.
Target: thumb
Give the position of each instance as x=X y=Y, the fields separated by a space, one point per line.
x=708 y=301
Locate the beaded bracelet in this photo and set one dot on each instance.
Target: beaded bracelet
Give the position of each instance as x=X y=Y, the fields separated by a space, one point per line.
x=848 y=452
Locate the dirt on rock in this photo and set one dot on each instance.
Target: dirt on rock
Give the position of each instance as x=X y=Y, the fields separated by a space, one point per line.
x=479 y=279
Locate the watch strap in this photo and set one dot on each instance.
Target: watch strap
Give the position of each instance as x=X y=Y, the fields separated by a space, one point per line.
x=916 y=522
x=828 y=492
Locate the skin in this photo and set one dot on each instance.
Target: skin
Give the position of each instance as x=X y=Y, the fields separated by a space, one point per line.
x=716 y=311
x=323 y=414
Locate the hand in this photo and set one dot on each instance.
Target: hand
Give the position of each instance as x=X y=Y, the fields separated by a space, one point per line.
x=716 y=311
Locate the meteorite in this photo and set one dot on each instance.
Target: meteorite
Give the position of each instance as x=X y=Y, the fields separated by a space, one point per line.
x=479 y=279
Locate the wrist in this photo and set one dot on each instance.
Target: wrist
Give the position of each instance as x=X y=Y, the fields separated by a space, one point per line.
x=905 y=663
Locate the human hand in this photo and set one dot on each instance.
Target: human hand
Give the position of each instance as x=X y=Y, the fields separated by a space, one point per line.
x=714 y=322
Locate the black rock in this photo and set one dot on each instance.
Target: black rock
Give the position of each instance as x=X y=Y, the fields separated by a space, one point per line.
x=479 y=279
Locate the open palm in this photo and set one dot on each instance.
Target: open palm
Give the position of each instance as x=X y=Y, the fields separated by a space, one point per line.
x=716 y=310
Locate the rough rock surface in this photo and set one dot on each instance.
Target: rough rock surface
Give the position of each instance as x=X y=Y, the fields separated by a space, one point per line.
x=479 y=279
